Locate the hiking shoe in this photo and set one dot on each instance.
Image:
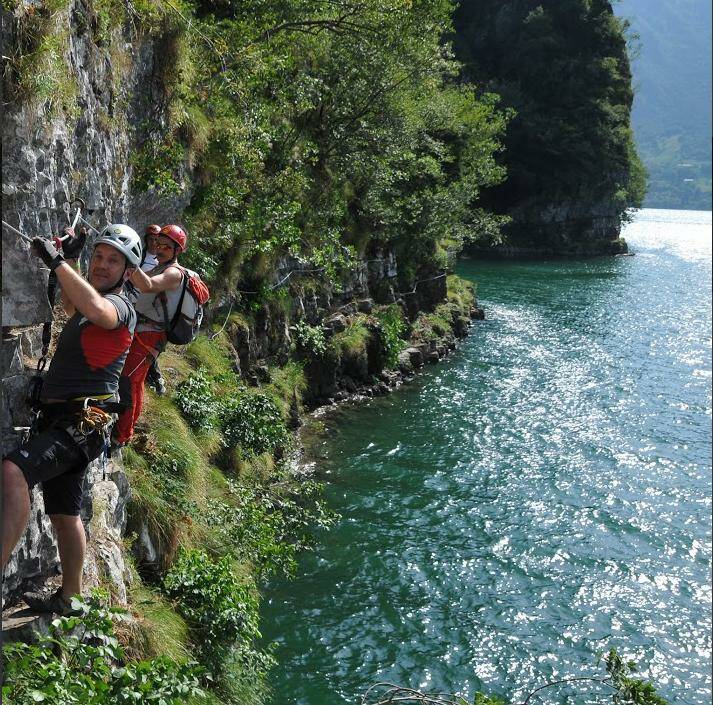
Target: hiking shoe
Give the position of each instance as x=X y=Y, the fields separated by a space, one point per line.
x=155 y=380
x=159 y=385
x=41 y=602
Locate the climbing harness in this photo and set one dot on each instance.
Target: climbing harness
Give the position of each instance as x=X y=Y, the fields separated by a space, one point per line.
x=81 y=418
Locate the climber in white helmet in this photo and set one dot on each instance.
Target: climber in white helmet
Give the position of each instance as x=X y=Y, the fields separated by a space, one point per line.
x=79 y=392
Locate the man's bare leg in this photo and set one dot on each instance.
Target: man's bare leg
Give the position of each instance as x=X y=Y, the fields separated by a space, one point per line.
x=72 y=545
x=15 y=507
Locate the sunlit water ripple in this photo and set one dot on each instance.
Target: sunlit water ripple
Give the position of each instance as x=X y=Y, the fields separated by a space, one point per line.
x=543 y=495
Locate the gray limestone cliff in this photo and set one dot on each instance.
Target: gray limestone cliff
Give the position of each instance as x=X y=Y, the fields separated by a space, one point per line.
x=567 y=230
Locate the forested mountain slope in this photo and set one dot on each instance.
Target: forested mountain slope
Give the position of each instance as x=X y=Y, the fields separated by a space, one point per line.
x=562 y=67
x=672 y=103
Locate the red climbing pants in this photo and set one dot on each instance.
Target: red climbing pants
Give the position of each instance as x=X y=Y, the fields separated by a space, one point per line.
x=145 y=347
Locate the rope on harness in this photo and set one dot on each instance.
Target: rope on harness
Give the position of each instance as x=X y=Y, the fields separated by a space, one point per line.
x=92 y=418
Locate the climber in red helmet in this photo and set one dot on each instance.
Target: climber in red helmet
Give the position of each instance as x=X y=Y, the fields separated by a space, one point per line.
x=149 y=262
x=156 y=305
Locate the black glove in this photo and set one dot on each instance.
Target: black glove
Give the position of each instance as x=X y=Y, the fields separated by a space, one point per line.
x=47 y=252
x=73 y=246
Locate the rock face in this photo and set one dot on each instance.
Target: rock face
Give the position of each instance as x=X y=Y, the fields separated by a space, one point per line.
x=47 y=161
x=574 y=230
x=24 y=289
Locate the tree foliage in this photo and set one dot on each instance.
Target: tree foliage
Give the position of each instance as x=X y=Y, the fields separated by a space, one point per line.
x=324 y=129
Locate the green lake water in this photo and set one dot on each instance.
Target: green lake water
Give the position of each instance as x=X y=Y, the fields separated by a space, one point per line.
x=540 y=496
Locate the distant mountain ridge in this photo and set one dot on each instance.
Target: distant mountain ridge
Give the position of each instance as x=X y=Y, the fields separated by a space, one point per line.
x=672 y=105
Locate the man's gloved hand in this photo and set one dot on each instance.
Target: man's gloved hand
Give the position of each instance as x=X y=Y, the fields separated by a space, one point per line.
x=73 y=246
x=47 y=252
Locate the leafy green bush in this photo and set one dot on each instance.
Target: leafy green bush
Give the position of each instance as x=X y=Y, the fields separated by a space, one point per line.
x=267 y=528
x=196 y=400
x=310 y=339
x=253 y=422
x=221 y=611
x=170 y=467
x=393 y=327
x=82 y=662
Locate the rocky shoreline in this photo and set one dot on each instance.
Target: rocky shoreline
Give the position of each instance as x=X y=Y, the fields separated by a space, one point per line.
x=413 y=360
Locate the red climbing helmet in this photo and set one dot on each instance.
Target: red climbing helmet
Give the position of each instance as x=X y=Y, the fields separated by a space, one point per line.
x=177 y=234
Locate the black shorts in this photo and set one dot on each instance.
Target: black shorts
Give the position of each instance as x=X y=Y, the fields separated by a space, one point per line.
x=55 y=459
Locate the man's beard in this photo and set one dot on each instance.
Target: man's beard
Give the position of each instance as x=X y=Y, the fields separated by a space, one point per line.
x=109 y=289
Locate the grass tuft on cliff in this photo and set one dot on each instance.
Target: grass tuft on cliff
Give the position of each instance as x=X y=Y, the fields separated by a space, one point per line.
x=351 y=342
x=158 y=630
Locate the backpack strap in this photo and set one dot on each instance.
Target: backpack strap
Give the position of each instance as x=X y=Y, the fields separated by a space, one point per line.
x=180 y=303
x=170 y=324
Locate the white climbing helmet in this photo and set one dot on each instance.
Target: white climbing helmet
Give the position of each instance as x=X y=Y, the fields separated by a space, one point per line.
x=125 y=239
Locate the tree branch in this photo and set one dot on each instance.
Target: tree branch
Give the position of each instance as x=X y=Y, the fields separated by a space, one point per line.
x=569 y=680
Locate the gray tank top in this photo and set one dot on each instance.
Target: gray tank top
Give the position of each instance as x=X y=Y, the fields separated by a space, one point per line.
x=156 y=311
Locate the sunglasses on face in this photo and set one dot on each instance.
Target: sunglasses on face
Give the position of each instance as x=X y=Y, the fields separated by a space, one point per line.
x=158 y=245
